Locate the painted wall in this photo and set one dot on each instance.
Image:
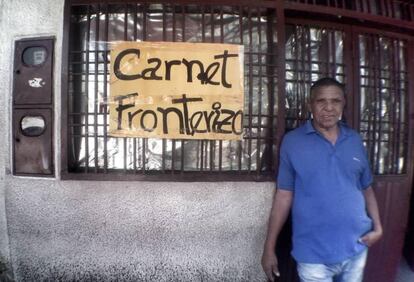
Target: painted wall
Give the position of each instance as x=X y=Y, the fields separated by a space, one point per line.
x=53 y=229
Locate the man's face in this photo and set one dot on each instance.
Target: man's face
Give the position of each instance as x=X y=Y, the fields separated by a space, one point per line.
x=327 y=105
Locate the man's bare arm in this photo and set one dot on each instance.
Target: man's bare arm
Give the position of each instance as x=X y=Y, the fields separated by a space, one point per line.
x=282 y=203
x=372 y=208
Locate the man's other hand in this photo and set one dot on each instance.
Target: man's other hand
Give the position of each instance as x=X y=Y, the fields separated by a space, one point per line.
x=269 y=264
x=371 y=238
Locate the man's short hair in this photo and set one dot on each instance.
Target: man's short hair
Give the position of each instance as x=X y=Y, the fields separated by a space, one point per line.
x=325 y=82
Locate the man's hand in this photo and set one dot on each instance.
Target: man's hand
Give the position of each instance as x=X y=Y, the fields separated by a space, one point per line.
x=282 y=202
x=371 y=238
x=269 y=264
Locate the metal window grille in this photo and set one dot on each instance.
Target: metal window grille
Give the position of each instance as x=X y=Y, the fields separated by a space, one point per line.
x=383 y=85
x=311 y=53
x=398 y=9
x=94 y=26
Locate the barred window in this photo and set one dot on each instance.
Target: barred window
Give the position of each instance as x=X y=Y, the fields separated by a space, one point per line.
x=383 y=84
x=93 y=27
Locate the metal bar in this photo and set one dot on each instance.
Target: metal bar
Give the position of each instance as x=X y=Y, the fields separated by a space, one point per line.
x=125 y=139
x=135 y=22
x=333 y=41
x=371 y=145
x=201 y=144
x=101 y=136
x=371 y=126
x=144 y=22
x=88 y=39
x=382 y=9
x=144 y=149
x=164 y=23
x=203 y=24
x=212 y=146
x=164 y=38
x=239 y=143
x=105 y=92
x=308 y=80
x=302 y=79
x=203 y=36
x=182 y=156
x=368 y=4
x=268 y=153
x=190 y=176
x=393 y=131
x=183 y=22
x=174 y=27
x=408 y=150
x=221 y=25
x=135 y=140
x=211 y=142
x=378 y=99
x=212 y=24
x=259 y=120
x=96 y=87
x=220 y=157
x=164 y=34
x=262 y=3
x=351 y=59
x=126 y=22
x=397 y=108
x=389 y=115
x=144 y=38
x=174 y=31
x=250 y=109
x=241 y=23
x=358 y=6
x=391 y=3
x=296 y=67
x=325 y=50
x=182 y=159
x=281 y=70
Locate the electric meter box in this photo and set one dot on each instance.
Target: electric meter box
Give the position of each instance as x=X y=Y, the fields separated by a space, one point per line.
x=33 y=107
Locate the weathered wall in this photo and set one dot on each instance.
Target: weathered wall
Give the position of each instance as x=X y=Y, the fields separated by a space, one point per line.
x=117 y=230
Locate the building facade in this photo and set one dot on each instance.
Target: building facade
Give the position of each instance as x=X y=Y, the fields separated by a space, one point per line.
x=78 y=204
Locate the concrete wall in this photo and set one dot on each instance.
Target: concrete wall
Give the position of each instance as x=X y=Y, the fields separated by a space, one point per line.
x=79 y=230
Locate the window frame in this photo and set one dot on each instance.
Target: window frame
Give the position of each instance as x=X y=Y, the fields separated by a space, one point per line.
x=159 y=175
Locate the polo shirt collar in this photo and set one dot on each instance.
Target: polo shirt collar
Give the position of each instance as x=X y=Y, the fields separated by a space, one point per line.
x=343 y=128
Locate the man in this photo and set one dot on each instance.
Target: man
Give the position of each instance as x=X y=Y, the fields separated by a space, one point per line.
x=324 y=176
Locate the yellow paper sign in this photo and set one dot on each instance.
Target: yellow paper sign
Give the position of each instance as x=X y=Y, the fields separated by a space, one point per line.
x=176 y=90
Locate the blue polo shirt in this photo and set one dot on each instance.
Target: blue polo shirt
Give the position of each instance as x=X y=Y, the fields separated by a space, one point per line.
x=328 y=211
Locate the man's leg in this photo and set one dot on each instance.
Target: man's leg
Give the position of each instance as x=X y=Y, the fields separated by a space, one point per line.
x=353 y=269
x=310 y=272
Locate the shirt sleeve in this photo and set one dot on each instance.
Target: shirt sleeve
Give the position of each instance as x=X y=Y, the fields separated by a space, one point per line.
x=366 y=177
x=286 y=172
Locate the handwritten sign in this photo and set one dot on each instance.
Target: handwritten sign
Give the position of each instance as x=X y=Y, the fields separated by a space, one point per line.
x=176 y=90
